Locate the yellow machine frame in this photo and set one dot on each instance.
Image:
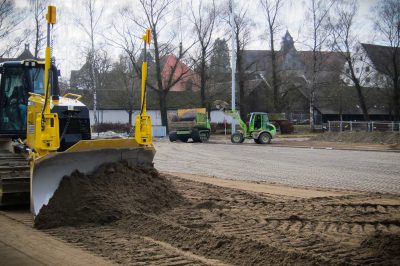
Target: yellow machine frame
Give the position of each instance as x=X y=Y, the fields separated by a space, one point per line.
x=48 y=166
x=43 y=125
x=143 y=129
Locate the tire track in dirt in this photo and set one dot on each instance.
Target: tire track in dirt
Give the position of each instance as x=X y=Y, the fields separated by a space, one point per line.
x=128 y=248
x=327 y=227
x=215 y=225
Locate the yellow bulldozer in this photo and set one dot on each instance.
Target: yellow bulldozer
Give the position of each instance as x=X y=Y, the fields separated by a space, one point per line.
x=45 y=136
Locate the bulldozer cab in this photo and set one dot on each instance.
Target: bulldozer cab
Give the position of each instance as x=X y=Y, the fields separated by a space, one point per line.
x=258 y=122
x=17 y=79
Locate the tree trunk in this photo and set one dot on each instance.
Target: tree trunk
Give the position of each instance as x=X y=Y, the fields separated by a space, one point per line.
x=396 y=100
x=239 y=66
x=313 y=85
x=37 y=38
x=130 y=113
x=274 y=75
x=130 y=102
x=163 y=109
x=396 y=86
x=359 y=91
x=203 y=78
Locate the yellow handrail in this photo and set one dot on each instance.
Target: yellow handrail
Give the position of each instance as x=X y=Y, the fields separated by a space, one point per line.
x=77 y=96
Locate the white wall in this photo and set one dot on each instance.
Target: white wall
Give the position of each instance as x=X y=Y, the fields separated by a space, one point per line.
x=220 y=117
x=121 y=116
x=371 y=78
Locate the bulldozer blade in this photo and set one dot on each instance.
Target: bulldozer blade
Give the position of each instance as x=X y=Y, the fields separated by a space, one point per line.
x=85 y=156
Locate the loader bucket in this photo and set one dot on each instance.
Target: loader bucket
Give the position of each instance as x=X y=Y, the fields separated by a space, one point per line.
x=85 y=156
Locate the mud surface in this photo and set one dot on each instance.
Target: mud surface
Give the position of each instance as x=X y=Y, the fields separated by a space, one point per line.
x=177 y=221
x=113 y=191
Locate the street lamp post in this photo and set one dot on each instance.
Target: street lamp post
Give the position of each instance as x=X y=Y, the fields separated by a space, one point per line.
x=233 y=65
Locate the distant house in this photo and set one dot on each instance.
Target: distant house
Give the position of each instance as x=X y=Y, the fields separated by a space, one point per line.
x=335 y=98
x=294 y=70
x=373 y=65
x=374 y=68
x=26 y=54
x=188 y=79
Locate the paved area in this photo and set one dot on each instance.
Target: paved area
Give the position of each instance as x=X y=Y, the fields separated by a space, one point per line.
x=354 y=170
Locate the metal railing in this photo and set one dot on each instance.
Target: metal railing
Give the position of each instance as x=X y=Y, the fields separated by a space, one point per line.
x=371 y=126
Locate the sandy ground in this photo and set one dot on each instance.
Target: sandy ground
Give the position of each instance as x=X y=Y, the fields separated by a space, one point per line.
x=236 y=223
x=20 y=244
x=233 y=222
x=226 y=222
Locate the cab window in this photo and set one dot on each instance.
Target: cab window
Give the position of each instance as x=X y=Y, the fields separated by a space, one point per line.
x=13 y=100
x=36 y=76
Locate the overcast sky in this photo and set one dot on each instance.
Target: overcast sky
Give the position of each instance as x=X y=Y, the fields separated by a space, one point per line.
x=69 y=40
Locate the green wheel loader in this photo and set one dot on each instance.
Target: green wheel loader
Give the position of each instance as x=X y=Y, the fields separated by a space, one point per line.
x=258 y=128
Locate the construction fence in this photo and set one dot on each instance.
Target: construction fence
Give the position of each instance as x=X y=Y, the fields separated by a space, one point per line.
x=370 y=126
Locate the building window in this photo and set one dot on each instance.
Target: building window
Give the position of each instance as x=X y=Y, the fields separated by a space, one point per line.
x=367 y=69
x=368 y=80
x=357 y=70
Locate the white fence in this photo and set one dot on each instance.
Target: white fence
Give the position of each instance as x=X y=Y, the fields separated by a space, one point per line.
x=371 y=126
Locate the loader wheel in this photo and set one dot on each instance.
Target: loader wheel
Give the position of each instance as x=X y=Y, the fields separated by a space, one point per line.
x=237 y=138
x=257 y=141
x=264 y=138
x=173 y=136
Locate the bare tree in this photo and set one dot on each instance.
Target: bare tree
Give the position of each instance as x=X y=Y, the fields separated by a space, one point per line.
x=203 y=19
x=344 y=42
x=90 y=28
x=271 y=10
x=242 y=27
x=168 y=68
x=129 y=80
x=126 y=37
x=319 y=13
x=387 y=23
x=11 y=36
x=38 y=8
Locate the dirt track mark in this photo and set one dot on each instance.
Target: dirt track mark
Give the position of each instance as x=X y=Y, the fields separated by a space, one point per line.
x=221 y=225
x=330 y=227
x=115 y=244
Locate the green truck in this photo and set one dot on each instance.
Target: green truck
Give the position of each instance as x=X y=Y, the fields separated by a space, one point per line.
x=190 y=124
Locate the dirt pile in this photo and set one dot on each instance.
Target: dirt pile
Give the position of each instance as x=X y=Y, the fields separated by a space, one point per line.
x=218 y=225
x=114 y=190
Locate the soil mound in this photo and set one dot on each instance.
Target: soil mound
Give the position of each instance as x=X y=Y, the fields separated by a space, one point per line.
x=114 y=190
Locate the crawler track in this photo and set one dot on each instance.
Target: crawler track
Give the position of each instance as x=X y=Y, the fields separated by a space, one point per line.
x=14 y=179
